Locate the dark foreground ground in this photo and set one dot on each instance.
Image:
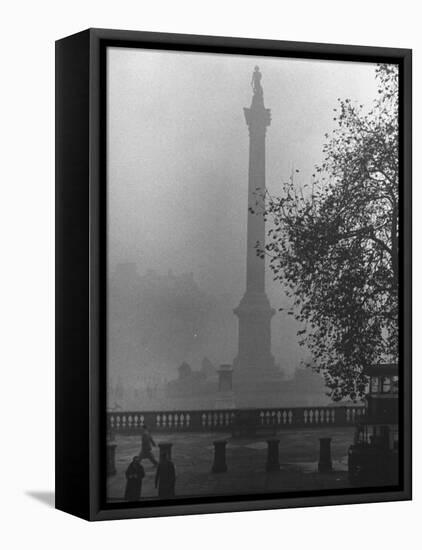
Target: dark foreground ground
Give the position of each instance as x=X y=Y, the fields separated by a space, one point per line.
x=192 y=455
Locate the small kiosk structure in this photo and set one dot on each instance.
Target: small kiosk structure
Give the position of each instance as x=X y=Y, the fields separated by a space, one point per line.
x=373 y=457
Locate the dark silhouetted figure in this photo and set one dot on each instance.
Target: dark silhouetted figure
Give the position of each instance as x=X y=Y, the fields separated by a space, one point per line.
x=256 y=82
x=147 y=444
x=165 y=478
x=134 y=476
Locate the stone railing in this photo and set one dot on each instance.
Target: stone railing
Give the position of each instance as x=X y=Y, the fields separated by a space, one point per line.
x=130 y=422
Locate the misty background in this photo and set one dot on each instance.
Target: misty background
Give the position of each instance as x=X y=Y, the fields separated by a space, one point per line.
x=177 y=184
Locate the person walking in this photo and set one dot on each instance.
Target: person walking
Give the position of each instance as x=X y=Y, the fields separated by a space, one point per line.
x=134 y=476
x=147 y=444
x=165 y=478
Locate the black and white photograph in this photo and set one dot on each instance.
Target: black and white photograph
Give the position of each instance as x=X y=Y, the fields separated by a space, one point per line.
x=210 y=279
x=252 y=275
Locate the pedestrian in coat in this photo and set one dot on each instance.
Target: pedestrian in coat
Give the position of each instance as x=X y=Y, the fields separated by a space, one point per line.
x=165 y=477
x=134 y=476
x=147 y=444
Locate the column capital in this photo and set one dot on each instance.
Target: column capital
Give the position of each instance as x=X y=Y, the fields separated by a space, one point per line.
x=257 y=117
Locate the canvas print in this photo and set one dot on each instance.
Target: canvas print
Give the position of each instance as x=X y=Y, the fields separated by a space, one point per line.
x=252 y=275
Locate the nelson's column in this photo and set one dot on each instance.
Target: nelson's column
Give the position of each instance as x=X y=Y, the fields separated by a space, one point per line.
x=256 y=378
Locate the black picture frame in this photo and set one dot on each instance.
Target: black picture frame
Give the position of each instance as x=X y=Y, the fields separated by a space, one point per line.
x=81 y=271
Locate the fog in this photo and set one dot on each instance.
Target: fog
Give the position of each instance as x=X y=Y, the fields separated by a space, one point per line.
x=177 y=193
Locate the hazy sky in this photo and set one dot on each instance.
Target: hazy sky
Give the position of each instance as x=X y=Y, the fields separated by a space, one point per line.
x=178 y=158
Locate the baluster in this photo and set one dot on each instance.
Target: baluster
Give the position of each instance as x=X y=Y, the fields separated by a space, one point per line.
x=290 y=417
x=305 y=416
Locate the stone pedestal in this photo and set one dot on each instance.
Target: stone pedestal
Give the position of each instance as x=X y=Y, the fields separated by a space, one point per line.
x=111 y=459
x=273 y=464
x=225 y=396
x=165 y=450
x=325 y=465
x=219 y=464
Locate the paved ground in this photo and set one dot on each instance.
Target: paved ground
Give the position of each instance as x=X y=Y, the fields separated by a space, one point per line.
x=193 y=454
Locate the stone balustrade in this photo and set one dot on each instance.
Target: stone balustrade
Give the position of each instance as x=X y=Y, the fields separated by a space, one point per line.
x=130 y=422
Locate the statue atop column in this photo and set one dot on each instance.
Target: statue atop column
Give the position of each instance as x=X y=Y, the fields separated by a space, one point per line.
x=256 y=82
